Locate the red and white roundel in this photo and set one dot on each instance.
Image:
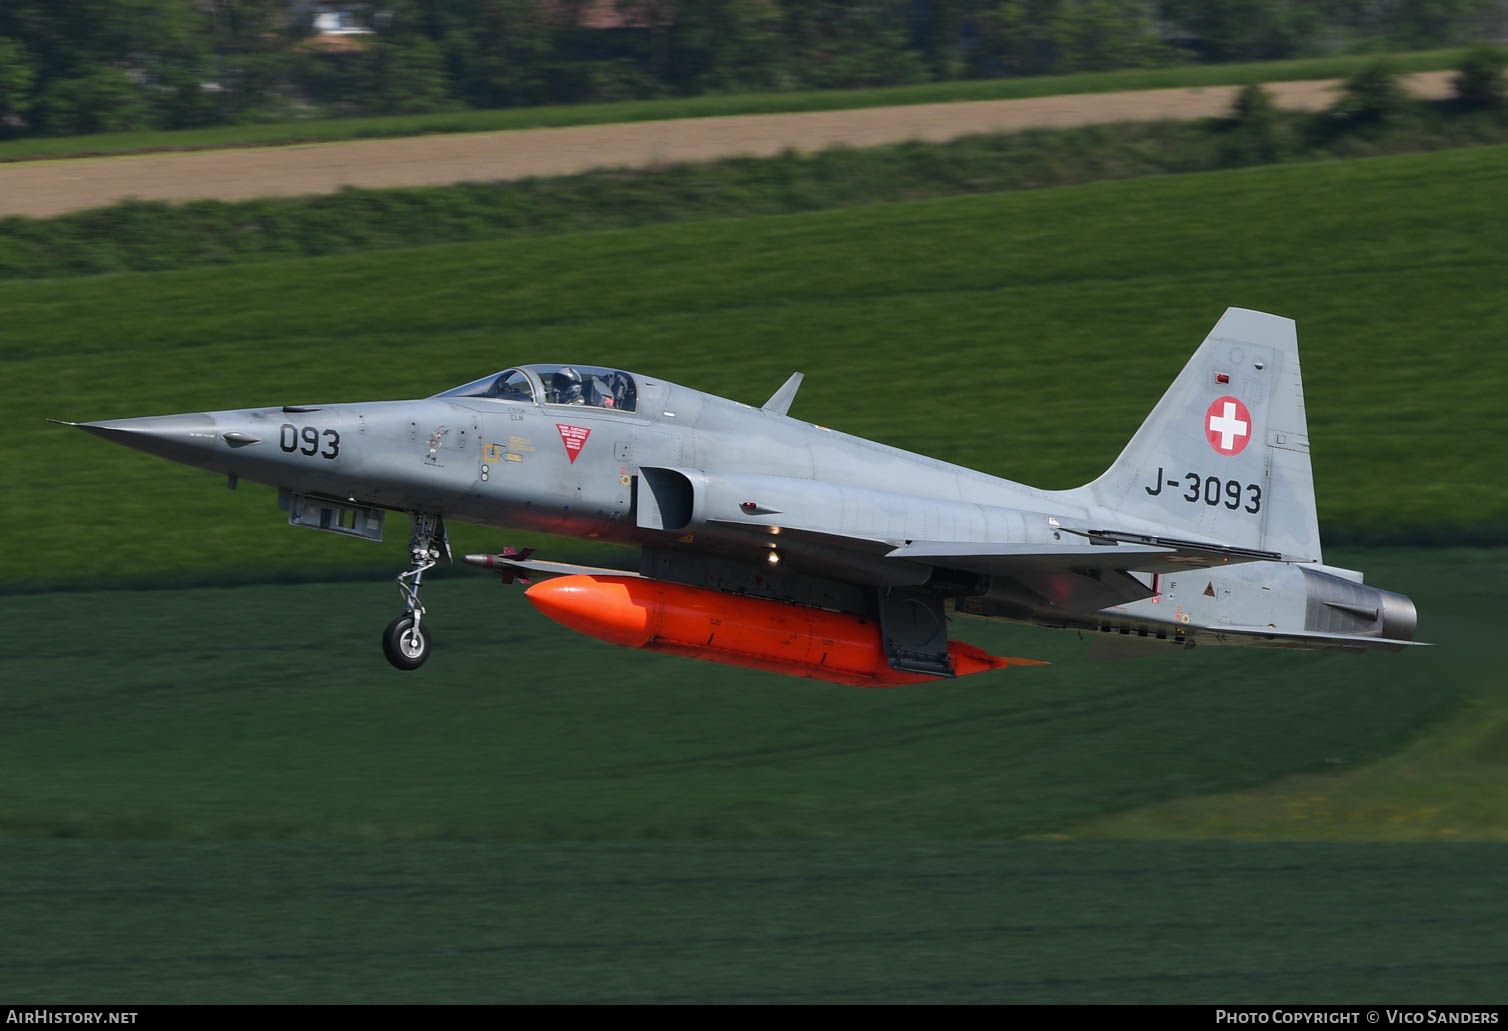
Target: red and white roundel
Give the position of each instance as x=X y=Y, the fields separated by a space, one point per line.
x=1227 y=425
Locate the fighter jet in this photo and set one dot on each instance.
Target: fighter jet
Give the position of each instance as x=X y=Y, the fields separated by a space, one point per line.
x=769 y=542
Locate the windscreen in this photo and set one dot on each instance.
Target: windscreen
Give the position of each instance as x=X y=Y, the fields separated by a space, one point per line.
x=511 y=385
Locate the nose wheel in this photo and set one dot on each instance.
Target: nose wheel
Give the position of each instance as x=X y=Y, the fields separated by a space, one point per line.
x=406 y=642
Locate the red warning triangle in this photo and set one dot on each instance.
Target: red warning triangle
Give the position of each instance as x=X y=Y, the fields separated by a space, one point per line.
x=573 y=437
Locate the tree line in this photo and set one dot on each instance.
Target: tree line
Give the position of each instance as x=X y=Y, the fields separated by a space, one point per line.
x=118 y=65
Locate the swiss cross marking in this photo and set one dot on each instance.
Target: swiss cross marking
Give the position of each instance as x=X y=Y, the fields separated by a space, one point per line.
x=573 y=437
x=1227 y=426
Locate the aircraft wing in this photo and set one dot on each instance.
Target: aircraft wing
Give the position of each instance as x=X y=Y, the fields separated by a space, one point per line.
x=1004 y=559
x=1101 y=549
x=839 y=541
x=1084 y=571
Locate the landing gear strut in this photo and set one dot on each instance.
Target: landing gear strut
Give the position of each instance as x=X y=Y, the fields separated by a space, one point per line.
x=406 y=641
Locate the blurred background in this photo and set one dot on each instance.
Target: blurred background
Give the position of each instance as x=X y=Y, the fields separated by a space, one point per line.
x=214 y=789
x=146 y=64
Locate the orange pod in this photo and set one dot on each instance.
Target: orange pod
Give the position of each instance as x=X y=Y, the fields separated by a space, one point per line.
x=735 y=630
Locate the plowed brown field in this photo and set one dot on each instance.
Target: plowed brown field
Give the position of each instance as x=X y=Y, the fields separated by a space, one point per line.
x=42 y=188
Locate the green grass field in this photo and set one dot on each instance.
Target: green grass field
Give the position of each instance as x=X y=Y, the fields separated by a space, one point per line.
x=331 y=129
x=815 y=922
x=1445 y=781
x=226 y=795
x=1023 y=334
x=212 y=788
x=267 y=712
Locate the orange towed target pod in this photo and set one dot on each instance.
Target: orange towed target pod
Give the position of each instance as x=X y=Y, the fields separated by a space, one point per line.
x=735 y=630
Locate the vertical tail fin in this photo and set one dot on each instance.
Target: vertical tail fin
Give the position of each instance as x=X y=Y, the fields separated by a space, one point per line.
x=1224 y=456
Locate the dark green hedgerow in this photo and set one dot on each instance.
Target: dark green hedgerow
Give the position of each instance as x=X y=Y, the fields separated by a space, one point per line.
x=307 y=130
x=145 y=236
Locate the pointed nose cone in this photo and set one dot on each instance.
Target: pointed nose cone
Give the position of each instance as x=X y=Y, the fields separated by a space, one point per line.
x=611 y=609
x=181 y=438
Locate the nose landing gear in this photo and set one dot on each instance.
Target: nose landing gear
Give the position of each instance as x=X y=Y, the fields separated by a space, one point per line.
x=406 y=641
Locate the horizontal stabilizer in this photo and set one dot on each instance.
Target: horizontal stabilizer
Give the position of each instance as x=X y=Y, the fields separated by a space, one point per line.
x=1312 y=639
x=1184 y=553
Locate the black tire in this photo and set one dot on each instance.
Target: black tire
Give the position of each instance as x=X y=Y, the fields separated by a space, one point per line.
x=398 y=646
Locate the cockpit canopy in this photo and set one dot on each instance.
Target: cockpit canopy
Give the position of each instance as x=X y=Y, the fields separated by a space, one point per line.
x=556 y=385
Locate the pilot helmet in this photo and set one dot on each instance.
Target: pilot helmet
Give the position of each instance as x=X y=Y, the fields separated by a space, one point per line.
x=566 y=383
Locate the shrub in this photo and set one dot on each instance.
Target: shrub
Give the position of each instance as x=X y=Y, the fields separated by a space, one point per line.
x=1254 y=118
x=1254 y=107
x=1479 y=81
x=1371 y=96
